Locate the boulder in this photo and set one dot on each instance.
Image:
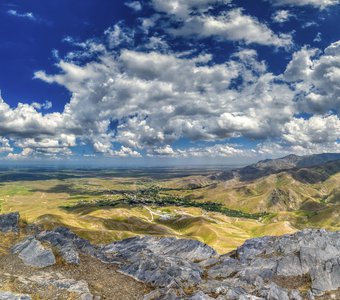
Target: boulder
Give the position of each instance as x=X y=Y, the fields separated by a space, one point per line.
x=161 y=261
x=9 y=222
x=32 y=253
x=66 y=247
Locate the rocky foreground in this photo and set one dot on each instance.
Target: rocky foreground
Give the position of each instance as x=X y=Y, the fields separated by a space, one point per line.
x=305 y=265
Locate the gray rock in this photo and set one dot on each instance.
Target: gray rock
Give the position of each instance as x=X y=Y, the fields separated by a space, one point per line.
x=310 y=296
x=295 y=295
x=171 y=264
x=153 y=260
x=163 y=294
x=12 y=296
x=190 y=250
x=209 y=262
x=58 y=281
x=161 y=261
x=200 y=296
x=32 y=253
x=259 y=267
x=311 y=253
x=160 y=271
x=9 y=222
x=66 y=247
x=326 y=277
x=276 y=293
x=290 y=266
x=236 y=292
x=250 y=297
x=216 y=287
x=225 y=268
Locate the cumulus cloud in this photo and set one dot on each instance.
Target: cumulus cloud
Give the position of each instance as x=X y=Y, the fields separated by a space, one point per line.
x=128 y=103
x=30 y=129
x=233 y=25
x=125 y=152
x=168 y=97
x=316 y=77
x=315 y=130
x=212 y=151
x=321 y=4
x=155 y=99
x=5 y=145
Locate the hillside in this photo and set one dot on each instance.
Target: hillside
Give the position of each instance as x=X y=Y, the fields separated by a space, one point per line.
x=272 y=166
x=105 y=206
x=58 y=264
x=301 y=190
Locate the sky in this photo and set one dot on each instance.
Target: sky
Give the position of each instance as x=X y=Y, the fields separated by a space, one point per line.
x=154 y=81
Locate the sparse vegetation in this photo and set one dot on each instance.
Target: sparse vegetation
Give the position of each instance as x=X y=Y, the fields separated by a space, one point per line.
x=152 y=196
x=103 y=205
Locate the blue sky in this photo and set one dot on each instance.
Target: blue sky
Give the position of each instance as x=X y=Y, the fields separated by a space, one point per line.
x=163 y=80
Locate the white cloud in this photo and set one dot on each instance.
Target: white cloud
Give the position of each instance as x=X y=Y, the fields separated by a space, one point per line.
x=30 y=129
x=46 y=105
x=158 y=98
x=282 y=16
x=126 y=103
x=315 y=130
x=183 y=8
x=277 y=149
x=119 y=35
x=157 y=43
x=5 y=145
x=25 y=153
x=316 y=77
x=208 y=151
x=125 y=152
x=27 y=15
x=321 y=4
x=318 y=38
x=233 y=25
x=135 y=5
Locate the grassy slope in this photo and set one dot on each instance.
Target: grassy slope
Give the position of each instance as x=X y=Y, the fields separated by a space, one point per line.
x=297 y=205
x=40 y=201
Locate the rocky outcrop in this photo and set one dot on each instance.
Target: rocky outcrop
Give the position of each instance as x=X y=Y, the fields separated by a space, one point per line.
x=65 y=247
x=58 y=281
x=32 y=253
x=9 y=222
x=257 y=269
x=56 y=284
x=275 y=268
x=161 y=261
x=157 y=261
x=12 y=296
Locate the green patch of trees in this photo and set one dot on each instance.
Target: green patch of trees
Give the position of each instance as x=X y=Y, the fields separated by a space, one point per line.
x=152 y=196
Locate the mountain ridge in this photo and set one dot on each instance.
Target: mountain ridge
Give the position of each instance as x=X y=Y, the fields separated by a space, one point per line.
x=267 y=167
